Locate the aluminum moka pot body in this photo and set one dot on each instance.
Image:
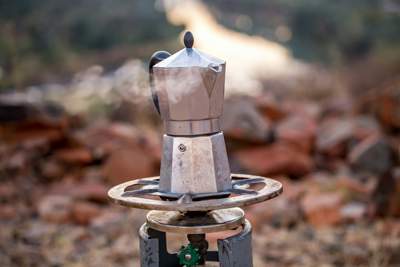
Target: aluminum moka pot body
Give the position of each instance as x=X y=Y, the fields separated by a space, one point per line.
x=188 y=91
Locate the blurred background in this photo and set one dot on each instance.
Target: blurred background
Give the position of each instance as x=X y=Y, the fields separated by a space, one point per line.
x=312 y=99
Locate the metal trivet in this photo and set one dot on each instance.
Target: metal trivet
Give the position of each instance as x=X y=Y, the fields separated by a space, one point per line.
x=246 y=190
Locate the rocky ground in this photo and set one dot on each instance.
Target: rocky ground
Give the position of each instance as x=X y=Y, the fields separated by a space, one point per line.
x=338 y=160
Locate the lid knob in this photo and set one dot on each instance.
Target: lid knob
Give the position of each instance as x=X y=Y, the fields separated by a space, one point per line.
x=188 y=39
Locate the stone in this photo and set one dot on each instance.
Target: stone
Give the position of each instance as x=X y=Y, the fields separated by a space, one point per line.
x=270 y=109
x=387 y=105
x=92 y=191
x=332 y=136
x=51 y=169
x=394 y=199
x=353 y=211
x=278 y=158
x=33 y=130
x=84 y=212
x=8 y=212
x=338 y=106
x=17 y=161
x=299 y=131
x=322 y=209
x=280 y=212
x=74 y=155
x=241 y=121
x=7 y=192
x=106 y=138
x=355 y=187
x=127 y=164
x=365 y=126
x=108 y=220
x=55 y=208
x=373 y=155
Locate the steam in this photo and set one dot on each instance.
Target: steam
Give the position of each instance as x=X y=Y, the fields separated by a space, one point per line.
x=92 y=88
x=180 y=82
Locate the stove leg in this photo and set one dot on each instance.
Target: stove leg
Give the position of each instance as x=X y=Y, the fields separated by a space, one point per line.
x=153 y=249
x=235 y=251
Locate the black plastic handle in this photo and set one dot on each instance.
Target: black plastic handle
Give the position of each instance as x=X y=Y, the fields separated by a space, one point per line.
x=154 y=59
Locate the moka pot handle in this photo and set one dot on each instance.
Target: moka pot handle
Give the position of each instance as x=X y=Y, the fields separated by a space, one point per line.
x=154 y=59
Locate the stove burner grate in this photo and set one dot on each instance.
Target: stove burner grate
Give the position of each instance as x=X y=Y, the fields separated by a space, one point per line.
x=145 y=194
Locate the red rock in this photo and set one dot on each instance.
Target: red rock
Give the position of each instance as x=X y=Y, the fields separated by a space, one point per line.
x=299 y=131
x=394 y=200
x=84 y=212
x=52 y=170
x=115 y=136
x=338 y=106
x=78 y=155
x=355 y=187
x=119 y=134
x=270 y=108
x=282 y=211
x=373 y=155
x=332 y=136
x=242 y=122
x=353 y=212
x=293 y=190
x=7 y=191
x=17 y=161
x=109 y=136
x=8 y=212
x=108 y=219
x=83 y=190
x=277 y=158
x=127 y=164
x=365 y=126
x=387 y=105
x=322 y=209
x=92 y=191
x=33 y=130
x=55 y=208
x=279 y=211
x=303 y=108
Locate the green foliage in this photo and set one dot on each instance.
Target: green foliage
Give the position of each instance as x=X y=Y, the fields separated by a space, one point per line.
x=324 y=31
x=49 y=34
x=42 y=39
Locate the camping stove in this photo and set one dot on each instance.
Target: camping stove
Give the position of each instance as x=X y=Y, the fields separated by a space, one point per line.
x=195 y=193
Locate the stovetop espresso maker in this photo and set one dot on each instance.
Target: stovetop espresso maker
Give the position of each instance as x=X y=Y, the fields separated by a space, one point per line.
x=195 y=193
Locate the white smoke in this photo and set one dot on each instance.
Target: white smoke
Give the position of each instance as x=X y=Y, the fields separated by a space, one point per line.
x=181 y=82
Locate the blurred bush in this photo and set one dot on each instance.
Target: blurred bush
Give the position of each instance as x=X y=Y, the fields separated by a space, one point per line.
x=318 y=30
x=41 y=38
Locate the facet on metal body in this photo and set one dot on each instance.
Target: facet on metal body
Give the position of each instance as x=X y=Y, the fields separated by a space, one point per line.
x=190 y=87
x=195 y=164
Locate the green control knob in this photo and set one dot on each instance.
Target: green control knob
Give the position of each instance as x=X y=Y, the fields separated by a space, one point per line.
x=189 y=256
